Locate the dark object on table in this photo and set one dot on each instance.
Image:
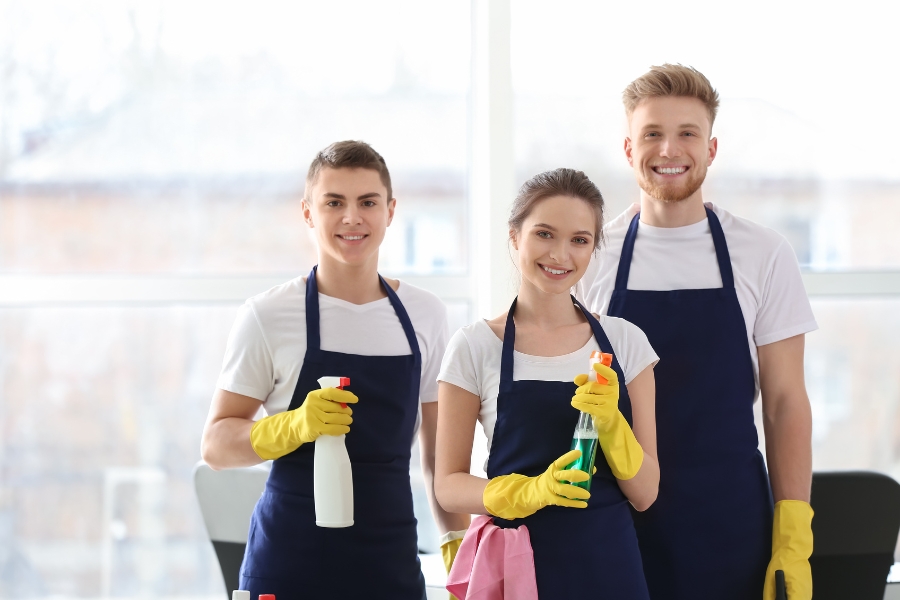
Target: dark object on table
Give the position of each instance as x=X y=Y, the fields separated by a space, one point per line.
x=857 y=518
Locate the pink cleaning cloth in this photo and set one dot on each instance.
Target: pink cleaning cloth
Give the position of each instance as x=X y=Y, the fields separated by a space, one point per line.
x=493 y=564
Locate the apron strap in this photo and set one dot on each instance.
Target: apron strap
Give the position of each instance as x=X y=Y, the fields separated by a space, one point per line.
x=313 y=339
x=715 y=228
x=313 y=335
x=599 y=334
x=722 y=254
x=627 y=251
x=509 y=344
x=405 y=321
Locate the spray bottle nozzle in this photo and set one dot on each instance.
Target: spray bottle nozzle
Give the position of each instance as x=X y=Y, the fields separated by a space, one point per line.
x=334 y=382
x=604 y=359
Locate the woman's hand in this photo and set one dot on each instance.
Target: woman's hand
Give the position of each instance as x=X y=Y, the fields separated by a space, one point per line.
x=515 y=496
x=601 y=400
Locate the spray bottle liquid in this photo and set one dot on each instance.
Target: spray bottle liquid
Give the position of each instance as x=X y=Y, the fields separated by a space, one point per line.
x=332 y=476
x=585 y=437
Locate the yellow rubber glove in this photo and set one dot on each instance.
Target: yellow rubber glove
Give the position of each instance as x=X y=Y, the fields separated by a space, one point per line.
x=792 y=545
x=320 y=414
x=450 y=543
x=601 y=400
x=515 y=496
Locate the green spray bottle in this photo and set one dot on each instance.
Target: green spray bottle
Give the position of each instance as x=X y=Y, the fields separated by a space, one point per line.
x=585 y=436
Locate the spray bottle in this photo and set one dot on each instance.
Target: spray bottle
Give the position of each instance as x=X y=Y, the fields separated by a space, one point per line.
x=585 y=437
x=332 y=476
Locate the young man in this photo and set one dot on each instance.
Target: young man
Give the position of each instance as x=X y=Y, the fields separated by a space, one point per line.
x=345 y=320
x=722 y=303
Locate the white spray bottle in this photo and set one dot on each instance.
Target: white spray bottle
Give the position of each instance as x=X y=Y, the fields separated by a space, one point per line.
x=332 y=476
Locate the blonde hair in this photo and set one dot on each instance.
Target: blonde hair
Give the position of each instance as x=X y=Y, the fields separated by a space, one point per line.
x=671 y=80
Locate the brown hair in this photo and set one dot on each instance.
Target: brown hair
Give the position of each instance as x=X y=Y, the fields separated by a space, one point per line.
x=671 y=80
x=349 y=154
x=558 y=182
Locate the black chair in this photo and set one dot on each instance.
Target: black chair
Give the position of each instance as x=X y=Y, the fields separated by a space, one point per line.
x=227 y=499
x=855 y=527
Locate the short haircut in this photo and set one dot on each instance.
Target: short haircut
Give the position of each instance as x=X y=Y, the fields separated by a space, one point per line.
x=671 y=80
x=558 y=182
x=349 y=154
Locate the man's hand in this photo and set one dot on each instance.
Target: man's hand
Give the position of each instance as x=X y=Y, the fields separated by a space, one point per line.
x=792 y=545
x=320 y=414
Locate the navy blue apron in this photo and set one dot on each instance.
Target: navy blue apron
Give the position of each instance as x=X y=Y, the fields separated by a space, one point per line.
x=708 y=535
x=578 y=552
x=377 y=557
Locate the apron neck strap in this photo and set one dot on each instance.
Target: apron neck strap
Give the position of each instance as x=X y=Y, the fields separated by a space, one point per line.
x=405 y=321
x=313 y=338
x=715 y=228
x=599 y=334
x=509 y=342
x=313 y=334
x=627 y=251
x=722 y=254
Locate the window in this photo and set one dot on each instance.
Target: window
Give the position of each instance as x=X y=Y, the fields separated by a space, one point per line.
x=152 y=162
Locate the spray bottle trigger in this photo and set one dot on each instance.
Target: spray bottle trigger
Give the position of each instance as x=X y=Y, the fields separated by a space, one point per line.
x=335 y=382
x=344 y=381
x=604 y=359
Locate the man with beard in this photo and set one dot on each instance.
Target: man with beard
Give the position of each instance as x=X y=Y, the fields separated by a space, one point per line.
x=722 y=303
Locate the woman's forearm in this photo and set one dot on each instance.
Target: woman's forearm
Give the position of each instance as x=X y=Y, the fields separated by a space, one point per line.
x=461 y=493
x=455 y=489
x=642 y=489
x=446 y=521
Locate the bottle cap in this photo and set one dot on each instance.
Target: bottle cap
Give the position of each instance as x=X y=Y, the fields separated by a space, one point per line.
x=267 y=597
x=240 y=595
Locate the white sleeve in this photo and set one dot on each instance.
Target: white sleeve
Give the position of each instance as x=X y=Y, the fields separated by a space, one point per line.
x=247 y=368
x=784 y=309
x=632 y=347
x=458 y=366
x=435 y=352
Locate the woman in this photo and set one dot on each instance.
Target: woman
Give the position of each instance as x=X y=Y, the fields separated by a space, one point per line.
x=514 y=374
x=344 y=320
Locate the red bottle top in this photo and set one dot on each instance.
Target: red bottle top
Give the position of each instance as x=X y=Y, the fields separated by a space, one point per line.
x=267 y=597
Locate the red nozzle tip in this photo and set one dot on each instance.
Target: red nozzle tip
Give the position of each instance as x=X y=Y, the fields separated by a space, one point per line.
x=344 y=381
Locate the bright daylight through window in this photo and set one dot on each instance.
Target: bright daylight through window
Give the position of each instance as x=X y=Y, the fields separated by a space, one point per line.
x=152 y=161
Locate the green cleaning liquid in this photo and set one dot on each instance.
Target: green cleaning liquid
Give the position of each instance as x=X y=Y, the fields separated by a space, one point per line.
x=585 y=436
x=584 y=439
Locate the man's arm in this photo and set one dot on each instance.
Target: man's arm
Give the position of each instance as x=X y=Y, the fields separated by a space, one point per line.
x=787 y=418
x=226 y=437
x=427 y=435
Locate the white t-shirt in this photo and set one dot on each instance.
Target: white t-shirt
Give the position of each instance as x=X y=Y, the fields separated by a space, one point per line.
x=267 y=343
x=766 y=274
x=472 y=362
